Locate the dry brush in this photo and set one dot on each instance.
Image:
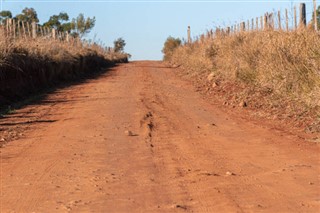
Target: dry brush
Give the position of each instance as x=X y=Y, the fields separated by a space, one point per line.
x=274 y=70
x=29 y=65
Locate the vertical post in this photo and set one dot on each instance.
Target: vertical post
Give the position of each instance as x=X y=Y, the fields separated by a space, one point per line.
x=243 y=26
x=265 y=22
x=10 y=26
x=53 y=31
x=315 y=18
x=217 y=31
x=34 y=30
x=228 y=30
x=189 y=35
x=29 y=31
x=248 y=26
x=302 y=17
x=295 y=17
x=287 y=21
x=19 y=29
x=279 y=20
x=7 y=27
x=252 y=24
x=24 y=30
x=67 y=37
x=271 y=21
x=257 y=23
x=14 y=28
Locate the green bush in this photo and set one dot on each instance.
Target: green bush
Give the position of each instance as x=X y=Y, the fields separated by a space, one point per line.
x=169 y=46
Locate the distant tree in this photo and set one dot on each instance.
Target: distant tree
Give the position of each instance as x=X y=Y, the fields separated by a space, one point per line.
x=78 y=27
x=4 y=15
x=59 y=22
x=119 y=45
x=169 y=46
x=82 y=25
x=28 y=15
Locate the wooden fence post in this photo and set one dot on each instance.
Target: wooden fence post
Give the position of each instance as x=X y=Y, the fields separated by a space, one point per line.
x=265 y=21
x=302 y=17
x=279 y=20
x=14 y=28
x=7 y=27
x=295 y=17
x=24 y=30
x=67 y=37
x=29 y=31
x=257 y=23
x=228 y=30
x=19 y=29
x=271 y=21
x=189 y=35
x=287 y=21
x=315 y=20
x=34 y=30
x=242 y=26
x=252 y=24
x=10 y=27
x=53 y=31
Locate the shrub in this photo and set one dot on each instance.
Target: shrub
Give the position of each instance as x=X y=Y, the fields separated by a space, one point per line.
x=169 y=46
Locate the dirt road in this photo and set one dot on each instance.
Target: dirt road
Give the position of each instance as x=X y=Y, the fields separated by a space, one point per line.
x=184 y=154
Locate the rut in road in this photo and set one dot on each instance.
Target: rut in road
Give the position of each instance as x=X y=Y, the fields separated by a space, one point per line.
x=185 y=153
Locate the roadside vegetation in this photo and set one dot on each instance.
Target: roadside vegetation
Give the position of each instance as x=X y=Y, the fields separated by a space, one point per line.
x=275 y=71
x=29 y=65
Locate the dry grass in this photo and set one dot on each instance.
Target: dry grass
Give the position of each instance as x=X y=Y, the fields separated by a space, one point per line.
x=29 y=65
x=271 y=69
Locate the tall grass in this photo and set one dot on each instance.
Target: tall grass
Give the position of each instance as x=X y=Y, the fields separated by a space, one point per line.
x=28 y=65
x=283 y=67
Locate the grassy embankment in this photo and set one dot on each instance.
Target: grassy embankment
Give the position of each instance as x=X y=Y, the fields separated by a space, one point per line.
x=28 y=66
x=275 y=73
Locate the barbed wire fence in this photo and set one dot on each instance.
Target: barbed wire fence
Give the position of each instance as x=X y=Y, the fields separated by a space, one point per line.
x=300 y=16
x=14 y=28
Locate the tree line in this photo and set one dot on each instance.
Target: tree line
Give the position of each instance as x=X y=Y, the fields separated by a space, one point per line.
x=76 y=27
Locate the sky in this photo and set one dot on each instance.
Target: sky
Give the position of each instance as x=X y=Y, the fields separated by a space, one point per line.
x=145 y=25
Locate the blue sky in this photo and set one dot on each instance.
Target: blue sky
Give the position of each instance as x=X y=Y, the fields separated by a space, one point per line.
x=145 y=25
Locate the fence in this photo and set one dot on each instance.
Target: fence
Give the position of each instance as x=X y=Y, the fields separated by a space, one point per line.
x=18 y=29
x=269 y=21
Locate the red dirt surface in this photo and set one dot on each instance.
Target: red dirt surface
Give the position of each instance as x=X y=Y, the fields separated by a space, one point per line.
x=140 y=139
